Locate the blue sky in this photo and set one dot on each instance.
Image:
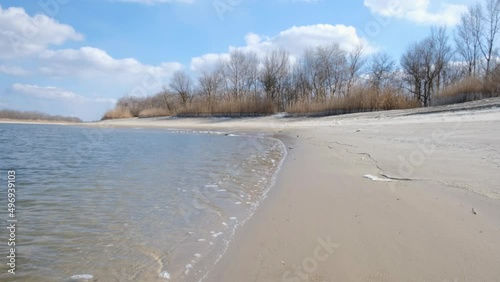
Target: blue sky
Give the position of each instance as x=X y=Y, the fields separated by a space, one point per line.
x=75 y=57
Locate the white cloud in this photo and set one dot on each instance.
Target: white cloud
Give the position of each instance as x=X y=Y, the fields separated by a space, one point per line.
x=48 y=92
x=25 y=38
x=295 y=40
x=94 y=62
x=12 y=70
x=56 y=93
x=207 y=61
x=417 y=11
x=22 y=34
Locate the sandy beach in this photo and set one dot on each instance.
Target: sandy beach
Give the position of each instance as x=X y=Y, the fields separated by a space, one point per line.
x=387 y=196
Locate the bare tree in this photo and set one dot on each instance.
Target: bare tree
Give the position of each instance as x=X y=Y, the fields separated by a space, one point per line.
x=311 y=75
x=334 y=67
x=233 y=72
x=241 y=72
x=181 y=84
x=300 y=86
x=327 y=70
x=273 y=77
x=381 y=70
x=454 y=72
x=210 y=82
x=166 y=97
x=424 y=63
x=490 y=32
x=468 y=37
x=413 y=66
x=252 y=67
x=443 y=54
x=355 y=63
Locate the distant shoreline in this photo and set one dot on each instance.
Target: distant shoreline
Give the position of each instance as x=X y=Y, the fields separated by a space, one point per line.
x=35 y=117
x=23 y=121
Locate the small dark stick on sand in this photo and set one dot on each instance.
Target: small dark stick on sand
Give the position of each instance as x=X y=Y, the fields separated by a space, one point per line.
x=474 y=211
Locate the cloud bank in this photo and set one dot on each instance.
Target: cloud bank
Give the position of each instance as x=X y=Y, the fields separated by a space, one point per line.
x=418 y=11
x=295 y=40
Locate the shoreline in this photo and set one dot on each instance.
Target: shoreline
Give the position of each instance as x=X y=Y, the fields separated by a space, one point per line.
x=382 y=196
x=265 y=195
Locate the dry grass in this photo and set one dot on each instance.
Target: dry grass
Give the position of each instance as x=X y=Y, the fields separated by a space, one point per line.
x=117 y=113
x=360 y=100
x=243 y=107
x=154 y=112
x=469 y=89
x=246 y=106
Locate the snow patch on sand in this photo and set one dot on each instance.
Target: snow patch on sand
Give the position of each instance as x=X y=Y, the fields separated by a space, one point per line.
x=376 y=178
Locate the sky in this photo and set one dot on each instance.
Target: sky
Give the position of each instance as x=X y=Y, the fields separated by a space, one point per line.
x=76 y=57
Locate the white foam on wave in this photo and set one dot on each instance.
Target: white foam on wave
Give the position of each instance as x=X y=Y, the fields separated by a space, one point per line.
x=82 y=277
x=188 y=131
x=268 y=186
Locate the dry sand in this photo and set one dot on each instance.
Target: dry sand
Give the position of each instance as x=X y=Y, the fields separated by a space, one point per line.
x=388 y=196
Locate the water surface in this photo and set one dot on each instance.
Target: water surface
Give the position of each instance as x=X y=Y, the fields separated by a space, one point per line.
x=129 y=204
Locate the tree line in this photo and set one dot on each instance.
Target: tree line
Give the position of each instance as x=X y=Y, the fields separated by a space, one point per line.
x=431 y=71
